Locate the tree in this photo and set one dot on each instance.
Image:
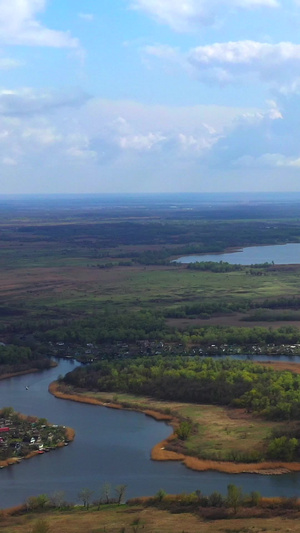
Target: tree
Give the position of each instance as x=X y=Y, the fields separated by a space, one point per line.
x=106 y=492
x=85 y=495
x=255 y=498
x=215 y=499
x=283 y=448
x=37 y=502
x=58 y=499
x=120 y=491
x=234 y=496
x=6 y=412
x=184 y=430
x=160 y=495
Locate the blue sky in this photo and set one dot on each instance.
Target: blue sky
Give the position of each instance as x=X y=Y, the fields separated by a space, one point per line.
x=149 y=96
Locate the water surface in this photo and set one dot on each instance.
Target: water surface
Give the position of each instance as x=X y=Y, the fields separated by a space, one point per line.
x=281 y=254
x=110 y=446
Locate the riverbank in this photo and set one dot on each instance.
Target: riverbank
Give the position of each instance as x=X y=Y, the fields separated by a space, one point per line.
x=53 y=364
x=212 y=414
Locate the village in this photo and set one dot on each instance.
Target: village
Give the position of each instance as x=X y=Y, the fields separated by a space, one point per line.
x=92 y=352
x=24 y=436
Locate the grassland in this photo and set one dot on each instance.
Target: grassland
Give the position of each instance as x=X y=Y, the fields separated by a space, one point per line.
x=111 y=519
x=51 y=260
x=84 y=288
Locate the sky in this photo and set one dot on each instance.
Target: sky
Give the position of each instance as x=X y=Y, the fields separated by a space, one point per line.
x=136 y=96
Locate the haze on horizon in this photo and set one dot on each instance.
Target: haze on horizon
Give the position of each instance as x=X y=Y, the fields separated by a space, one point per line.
x=142 y=96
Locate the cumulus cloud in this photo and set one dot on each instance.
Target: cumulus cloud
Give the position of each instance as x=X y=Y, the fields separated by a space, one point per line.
x=157 y=147
x=187 y=15
x=49 y=134
x=19 y=25
x=231 y=62
x=116 y=128
x=263 y=140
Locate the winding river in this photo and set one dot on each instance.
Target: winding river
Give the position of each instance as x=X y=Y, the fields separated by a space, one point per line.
x=110 y=446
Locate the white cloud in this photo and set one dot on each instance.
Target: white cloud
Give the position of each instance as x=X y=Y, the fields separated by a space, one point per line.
x=142 y=142
x=89 y=17
x=265 y=140
x=19 y=26
x=29 y=101
x=267 y=160
x=45 y=136
x=119 y=127
x=231 y=62
x=186 y=15
x=153 y=147
x=7 y=63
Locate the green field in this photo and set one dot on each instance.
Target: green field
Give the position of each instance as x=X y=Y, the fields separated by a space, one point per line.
x=63 y=264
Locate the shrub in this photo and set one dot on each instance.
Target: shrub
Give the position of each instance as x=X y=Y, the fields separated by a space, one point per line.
x=184 y=430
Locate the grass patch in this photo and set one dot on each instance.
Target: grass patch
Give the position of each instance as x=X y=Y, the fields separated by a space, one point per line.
x=220 y=433
x=151 y=521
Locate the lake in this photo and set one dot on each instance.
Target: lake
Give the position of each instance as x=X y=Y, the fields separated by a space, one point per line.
x=110 y=446
x=281 y=254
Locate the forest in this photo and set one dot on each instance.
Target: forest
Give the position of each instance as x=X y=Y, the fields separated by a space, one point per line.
x=274 y=395
x=14 y=359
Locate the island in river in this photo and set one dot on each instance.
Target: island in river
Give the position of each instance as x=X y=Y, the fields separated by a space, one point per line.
x=22 y=437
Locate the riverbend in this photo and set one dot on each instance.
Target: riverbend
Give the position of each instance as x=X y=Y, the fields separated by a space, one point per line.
x=110 y=446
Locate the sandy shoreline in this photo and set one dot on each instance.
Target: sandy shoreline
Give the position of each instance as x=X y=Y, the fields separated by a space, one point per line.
x=159 y=453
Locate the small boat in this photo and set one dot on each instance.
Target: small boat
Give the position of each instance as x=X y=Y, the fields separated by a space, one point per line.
x=26 y=387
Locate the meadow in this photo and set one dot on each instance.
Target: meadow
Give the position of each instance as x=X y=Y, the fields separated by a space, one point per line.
x=147 y=520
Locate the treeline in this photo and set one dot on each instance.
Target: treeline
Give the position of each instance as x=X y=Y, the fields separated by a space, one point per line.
x=15 y=355
x=243 y=337
x=112 y=326
x=20 y=358
x=129 y=327
x=268 y=315
x=162 y=256
x=275 y=395
x=217 y=506
x=109 y=326
x=209 y=307
x=202 y=236
x=213 y=266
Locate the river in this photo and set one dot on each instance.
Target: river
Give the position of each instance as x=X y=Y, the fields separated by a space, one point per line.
x=110 y=446
x=281 y=254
